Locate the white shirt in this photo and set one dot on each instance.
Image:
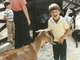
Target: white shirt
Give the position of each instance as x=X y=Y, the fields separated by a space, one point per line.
x=9 y=14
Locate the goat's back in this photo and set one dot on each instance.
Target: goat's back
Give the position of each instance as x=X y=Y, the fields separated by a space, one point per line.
x=24 y=53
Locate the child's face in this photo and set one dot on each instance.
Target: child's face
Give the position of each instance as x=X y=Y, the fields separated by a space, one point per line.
x=55 y=14
x=9 y=6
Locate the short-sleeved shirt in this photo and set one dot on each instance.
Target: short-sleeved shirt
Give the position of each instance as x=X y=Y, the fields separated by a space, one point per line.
x=58 y=29
x=17 y=4
x=9 y=14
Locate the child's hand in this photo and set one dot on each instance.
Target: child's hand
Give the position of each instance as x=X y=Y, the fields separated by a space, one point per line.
x=61 y=40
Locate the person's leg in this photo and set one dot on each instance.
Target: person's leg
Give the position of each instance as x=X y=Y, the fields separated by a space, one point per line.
x=18 y=31
x=63 y=57
x=25 y=31
x=26 y=37
x=56 y=52
x=11 y=23
x=13 y=30
x=21 y=30
x=9 y=30
x=63 y=51
x=18 y=39
x=56 y=57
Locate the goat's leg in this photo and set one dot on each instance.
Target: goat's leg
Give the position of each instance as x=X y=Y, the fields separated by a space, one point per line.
x=76 y=43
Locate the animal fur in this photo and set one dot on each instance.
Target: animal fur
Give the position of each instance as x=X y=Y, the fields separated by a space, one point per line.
x=30 y=51
x=76 y=34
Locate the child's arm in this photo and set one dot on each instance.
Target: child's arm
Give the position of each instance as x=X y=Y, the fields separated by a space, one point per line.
x=61 y=40
x=5 y=18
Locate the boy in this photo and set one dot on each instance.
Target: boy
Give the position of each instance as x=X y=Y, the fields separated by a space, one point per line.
x=8 y=17
x=60 y=29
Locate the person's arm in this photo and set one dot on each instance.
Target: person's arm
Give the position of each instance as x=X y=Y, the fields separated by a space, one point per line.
x=61 y=40
x=5 y=18
x=26 y=13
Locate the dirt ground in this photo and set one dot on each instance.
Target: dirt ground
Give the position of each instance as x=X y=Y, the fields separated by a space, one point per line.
x=73 y=53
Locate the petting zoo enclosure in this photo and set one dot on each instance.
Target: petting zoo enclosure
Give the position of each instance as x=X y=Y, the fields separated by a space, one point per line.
x=39 y=15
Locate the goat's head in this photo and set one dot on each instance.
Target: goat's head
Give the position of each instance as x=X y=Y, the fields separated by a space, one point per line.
x=69 y=11
x=46 y=33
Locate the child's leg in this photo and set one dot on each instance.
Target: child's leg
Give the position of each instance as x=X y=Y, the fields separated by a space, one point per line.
x=63 y=51
x=12 y=33
x=11 y=23
x=13 y=30
x=56 y=51
x=9 y=30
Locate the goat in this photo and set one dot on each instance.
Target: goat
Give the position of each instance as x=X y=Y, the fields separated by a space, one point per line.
x=29 y=52
x=76 y=36
x=67 y=17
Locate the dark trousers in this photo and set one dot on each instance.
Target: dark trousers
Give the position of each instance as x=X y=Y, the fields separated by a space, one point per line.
x=22 y=36
x=59 y=51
